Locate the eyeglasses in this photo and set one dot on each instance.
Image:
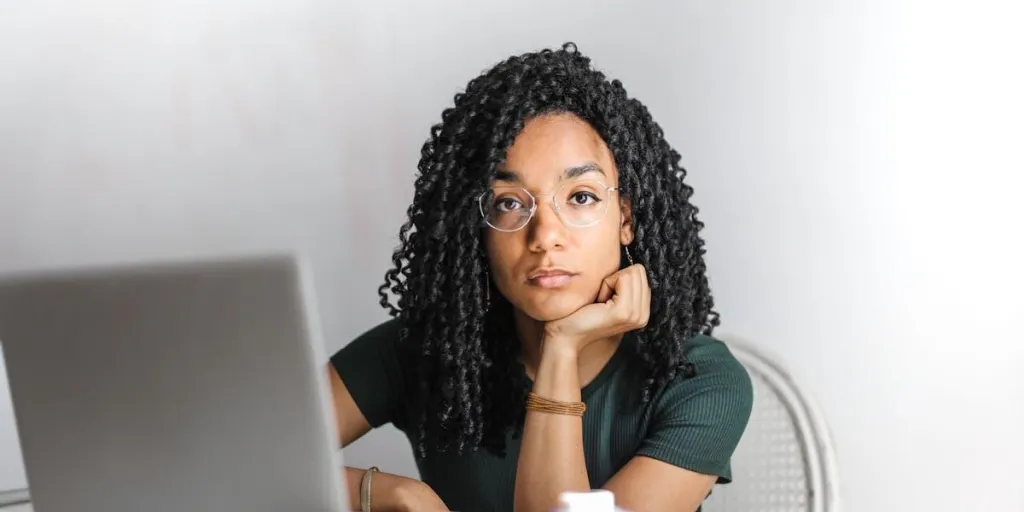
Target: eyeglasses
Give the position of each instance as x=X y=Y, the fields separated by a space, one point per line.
x=578 y=204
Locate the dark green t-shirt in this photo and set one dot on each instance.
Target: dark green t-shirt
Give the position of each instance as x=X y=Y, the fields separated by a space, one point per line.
x=693 y=423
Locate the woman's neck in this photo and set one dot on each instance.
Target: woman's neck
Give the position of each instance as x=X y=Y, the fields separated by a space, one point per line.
x=592 y=359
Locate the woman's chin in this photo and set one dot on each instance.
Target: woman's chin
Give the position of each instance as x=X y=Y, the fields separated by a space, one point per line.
x=556 y=308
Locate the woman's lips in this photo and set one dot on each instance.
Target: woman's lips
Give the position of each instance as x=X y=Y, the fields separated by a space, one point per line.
x=550 y=278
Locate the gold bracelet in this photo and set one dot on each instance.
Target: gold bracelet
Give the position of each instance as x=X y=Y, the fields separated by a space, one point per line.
x=364 y=489
x=535 y=402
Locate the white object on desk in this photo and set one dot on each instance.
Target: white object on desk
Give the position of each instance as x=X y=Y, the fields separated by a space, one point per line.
x=598 y=500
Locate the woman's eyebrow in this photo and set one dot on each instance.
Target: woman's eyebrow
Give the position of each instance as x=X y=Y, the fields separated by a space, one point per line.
x=512 y=176
x=580 y=170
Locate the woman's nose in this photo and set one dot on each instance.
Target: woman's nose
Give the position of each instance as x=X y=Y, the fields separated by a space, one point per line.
x=546 y=230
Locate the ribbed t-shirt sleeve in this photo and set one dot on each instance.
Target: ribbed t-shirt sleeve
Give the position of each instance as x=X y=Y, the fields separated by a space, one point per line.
x=372 y=371
x=697 y=422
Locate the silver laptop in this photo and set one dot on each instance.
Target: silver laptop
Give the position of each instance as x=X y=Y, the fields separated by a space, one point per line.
x=178 y=387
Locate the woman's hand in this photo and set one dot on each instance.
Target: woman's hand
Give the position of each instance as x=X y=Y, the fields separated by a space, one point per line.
x=623 y=305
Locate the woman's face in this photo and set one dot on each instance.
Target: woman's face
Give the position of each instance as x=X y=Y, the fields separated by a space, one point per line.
x=547 y=269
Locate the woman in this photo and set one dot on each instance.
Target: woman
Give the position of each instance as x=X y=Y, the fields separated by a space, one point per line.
x=552 y=323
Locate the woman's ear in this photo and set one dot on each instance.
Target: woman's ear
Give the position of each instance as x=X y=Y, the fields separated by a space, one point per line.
x=626 y=221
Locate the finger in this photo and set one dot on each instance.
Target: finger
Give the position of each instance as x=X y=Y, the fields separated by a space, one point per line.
x=645 y=302
x=607 y=288
x=639 y=284
x=638 y=302
x=611 y=285
x=626 y=292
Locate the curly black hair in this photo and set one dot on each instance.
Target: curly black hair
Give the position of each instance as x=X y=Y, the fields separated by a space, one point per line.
x=469 y=385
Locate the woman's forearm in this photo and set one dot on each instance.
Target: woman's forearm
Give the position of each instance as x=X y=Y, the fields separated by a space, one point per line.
x=389 y=493
x=551 y=455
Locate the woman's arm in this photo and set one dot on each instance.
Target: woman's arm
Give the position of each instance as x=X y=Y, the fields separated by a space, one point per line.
x=551 y=458
x=649 y=484
x=393 y=493
x=551 y=455
x=389 y=493
x=704 y=415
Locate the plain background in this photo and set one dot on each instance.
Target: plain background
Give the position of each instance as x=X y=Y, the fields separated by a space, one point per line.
x=857 y=164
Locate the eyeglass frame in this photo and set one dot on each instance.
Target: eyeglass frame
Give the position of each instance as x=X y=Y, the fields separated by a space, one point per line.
x=536 y=205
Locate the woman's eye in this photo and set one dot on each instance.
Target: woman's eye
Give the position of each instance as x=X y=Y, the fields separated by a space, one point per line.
x=582 y=199
x=507 y=204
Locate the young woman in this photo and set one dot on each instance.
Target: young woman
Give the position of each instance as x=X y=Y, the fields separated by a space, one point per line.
x=551 y=329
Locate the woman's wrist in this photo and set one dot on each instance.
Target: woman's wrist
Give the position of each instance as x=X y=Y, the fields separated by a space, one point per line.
x=559 y=348
x=558 y=371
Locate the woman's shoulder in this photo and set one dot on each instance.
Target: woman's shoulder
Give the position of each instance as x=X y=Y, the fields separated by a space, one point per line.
x=370 y=367
x=697 y=419
x=712 y=354
x=384 y=331
x=720 y=384
x=383 y=337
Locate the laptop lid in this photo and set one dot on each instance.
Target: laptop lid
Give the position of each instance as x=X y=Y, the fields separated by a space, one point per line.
x=171 y=387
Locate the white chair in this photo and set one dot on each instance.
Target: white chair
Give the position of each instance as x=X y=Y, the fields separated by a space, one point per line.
x=785 y=461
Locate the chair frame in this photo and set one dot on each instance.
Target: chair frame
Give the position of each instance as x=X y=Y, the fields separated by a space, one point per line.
x=811 y=429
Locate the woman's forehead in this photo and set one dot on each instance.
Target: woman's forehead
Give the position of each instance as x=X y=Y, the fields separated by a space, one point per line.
x=557 y=147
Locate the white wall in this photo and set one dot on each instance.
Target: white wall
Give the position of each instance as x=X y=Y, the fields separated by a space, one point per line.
x=857 y=164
